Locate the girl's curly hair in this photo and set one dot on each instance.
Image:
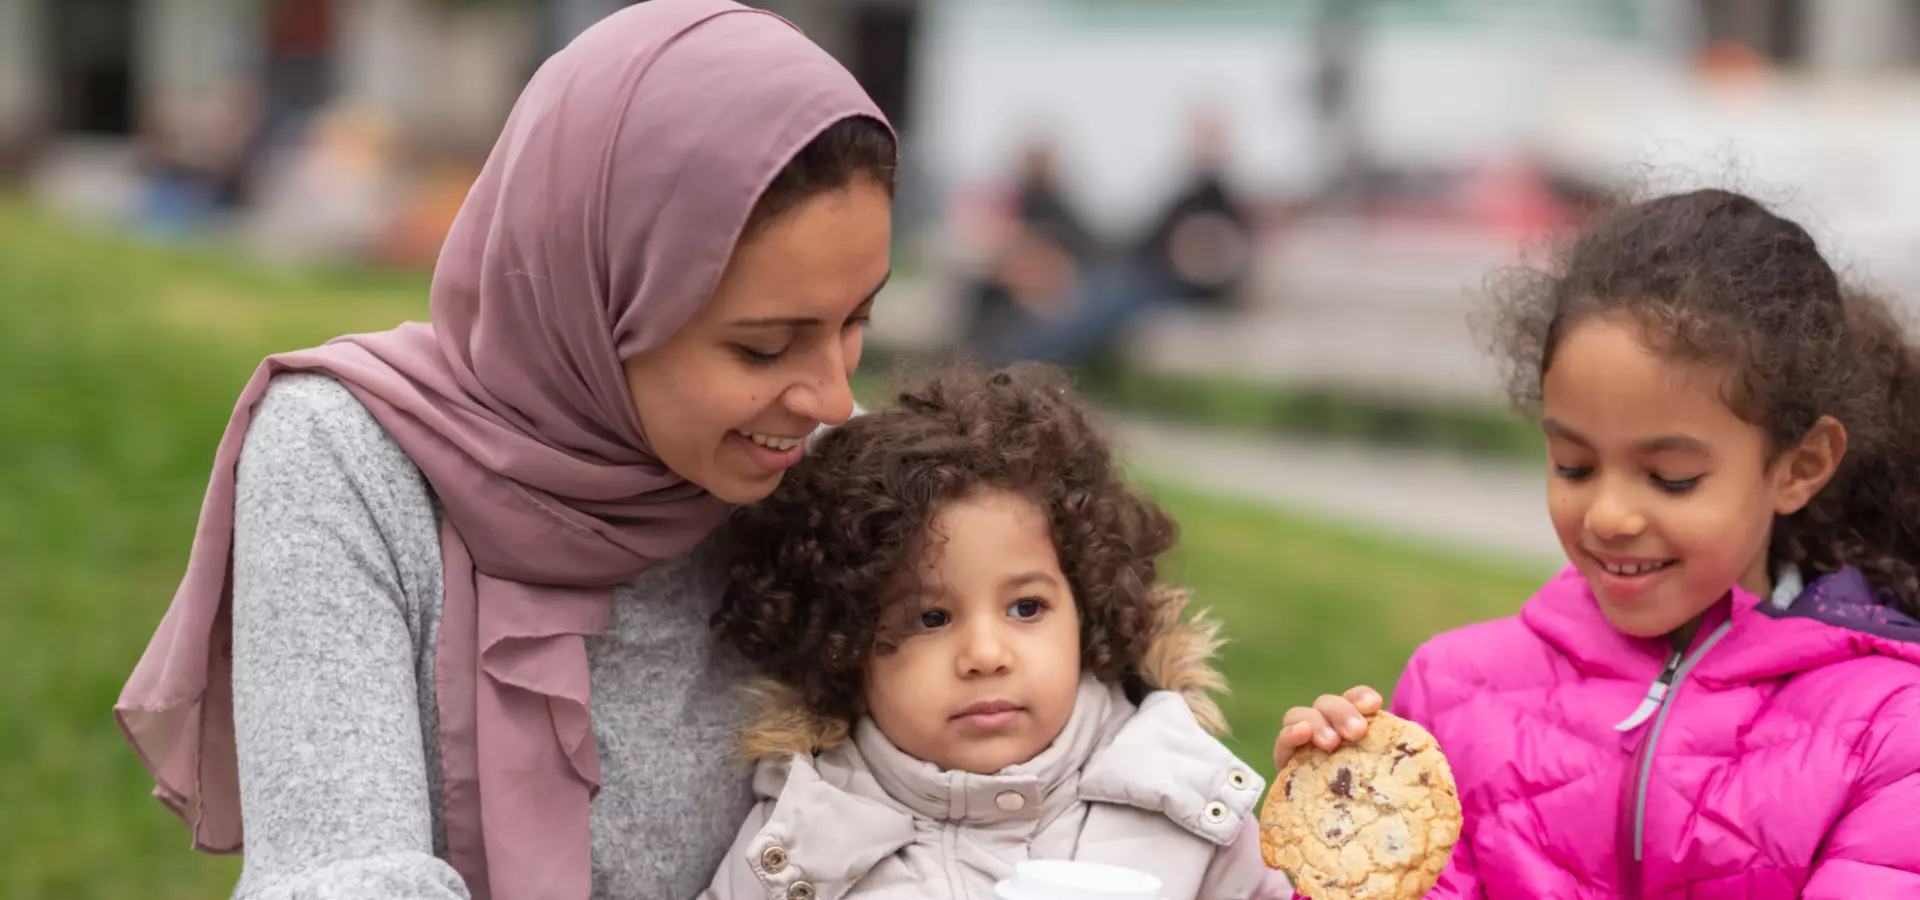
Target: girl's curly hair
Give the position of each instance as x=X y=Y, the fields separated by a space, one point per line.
x=1715 y=277
x=817 y=564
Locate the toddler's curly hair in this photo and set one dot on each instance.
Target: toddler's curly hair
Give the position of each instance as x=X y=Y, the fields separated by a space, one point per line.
x=818 y=564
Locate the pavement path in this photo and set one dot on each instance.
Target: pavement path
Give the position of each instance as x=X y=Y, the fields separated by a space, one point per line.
x=1486 y=508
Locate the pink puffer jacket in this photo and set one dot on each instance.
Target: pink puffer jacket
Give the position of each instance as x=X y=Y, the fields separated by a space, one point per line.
x=1784 y=761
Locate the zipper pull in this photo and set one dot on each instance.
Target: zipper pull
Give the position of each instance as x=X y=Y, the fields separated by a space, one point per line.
x=1656 y=694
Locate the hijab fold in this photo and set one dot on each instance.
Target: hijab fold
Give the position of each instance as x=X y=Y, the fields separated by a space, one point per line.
x=599 y=226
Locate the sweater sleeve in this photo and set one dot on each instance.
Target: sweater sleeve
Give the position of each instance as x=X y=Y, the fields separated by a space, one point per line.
x=334 y=785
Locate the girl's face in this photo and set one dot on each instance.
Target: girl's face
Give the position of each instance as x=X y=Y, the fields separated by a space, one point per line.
x=1662 y=496
x=728 y=401
x=985 y=674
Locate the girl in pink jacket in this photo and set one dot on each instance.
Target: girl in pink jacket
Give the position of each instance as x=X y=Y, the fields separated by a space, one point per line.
x=970 y=664
x=1719 y=698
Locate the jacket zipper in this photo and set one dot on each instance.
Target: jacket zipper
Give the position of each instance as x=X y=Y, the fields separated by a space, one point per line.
x=1656 y=705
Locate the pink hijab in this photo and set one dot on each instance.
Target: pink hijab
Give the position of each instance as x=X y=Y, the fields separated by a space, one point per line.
x=598 y=227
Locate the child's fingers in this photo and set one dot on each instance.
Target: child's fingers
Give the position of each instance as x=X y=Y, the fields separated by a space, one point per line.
x=1343 y=716
x=1365 y=699
x=1318 y=730
x=1310 y=726
x=1292 y=737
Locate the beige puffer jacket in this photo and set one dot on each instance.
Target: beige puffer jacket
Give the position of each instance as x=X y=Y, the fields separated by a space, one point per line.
x=1148 y=787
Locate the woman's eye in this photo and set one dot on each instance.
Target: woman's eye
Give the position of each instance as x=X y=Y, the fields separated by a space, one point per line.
x=1572 y=473
x=1029 y=608
x=934 y=618
x=1676 y=485
x=758 y=356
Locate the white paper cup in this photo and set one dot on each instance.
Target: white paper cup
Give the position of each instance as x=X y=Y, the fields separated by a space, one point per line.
x=1050 y=879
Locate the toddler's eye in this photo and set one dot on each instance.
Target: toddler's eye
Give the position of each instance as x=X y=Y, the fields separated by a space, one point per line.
x=1029 y=608
x=1572 y=473
x=934 y=618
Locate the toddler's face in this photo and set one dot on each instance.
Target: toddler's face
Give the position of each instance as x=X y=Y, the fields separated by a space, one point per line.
x=1662 y=496
x=988 y=662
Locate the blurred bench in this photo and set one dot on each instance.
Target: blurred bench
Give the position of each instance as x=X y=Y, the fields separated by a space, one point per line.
x=1334 y=308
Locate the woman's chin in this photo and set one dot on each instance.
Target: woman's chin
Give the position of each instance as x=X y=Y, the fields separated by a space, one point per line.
x=740 y=491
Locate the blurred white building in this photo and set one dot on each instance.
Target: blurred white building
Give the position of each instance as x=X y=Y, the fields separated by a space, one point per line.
x=1436 y=84
x=1588 y=85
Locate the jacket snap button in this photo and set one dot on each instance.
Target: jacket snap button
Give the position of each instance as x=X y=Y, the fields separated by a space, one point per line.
x=774 y=859
x=1010 y=801
x=1216 y=812
x=800 y=891
x=1239 y=780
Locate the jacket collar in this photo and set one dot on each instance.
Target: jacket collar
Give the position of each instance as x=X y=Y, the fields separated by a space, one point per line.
x=967 y=798
x=1835 y=618
x=1155 y=758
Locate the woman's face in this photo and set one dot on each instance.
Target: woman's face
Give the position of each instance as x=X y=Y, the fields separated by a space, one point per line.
x=729 y=400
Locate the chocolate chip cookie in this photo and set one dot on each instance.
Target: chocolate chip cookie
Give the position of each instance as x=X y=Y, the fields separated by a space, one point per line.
x=1375 y=820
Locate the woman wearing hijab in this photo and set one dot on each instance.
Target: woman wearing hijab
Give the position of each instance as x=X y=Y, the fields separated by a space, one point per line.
x=443 y=632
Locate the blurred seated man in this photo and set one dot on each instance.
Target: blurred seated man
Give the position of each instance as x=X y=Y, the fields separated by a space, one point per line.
x=1039 y=254
x=1198 y=250
x=1200 y=245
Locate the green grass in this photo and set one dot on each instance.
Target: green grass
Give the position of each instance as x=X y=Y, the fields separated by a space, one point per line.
x=120 y=363
x=1322 y=414
x=119 y=366
x=1310 y=608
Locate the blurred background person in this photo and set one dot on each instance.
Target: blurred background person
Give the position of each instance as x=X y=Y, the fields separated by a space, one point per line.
x=1197 y=250
x=1038 y=253
x=1200 y=248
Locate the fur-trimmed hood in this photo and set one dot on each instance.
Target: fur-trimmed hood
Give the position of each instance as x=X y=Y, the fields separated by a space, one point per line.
x=1131 y=780
x=1179 y=659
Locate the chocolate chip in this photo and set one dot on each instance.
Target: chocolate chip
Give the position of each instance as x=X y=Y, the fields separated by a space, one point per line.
x=1342 y=784
x=1401 y=751
x=1423 y=778
x=1289 y=787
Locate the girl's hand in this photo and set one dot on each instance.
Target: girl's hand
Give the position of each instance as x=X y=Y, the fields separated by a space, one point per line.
x=1328 y=722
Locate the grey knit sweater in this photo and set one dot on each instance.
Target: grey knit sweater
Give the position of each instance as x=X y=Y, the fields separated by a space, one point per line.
x=336 y=602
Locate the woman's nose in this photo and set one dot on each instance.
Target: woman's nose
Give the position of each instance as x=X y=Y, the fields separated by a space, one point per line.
x=825 y=395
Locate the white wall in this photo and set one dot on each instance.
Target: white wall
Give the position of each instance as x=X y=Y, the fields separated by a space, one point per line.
x=1838 y=155
x=454 y=76
x=1863 y=35
x=1116 y=94
x=191 y=47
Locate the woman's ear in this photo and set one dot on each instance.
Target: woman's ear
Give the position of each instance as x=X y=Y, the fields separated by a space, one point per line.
x=1804 y=469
